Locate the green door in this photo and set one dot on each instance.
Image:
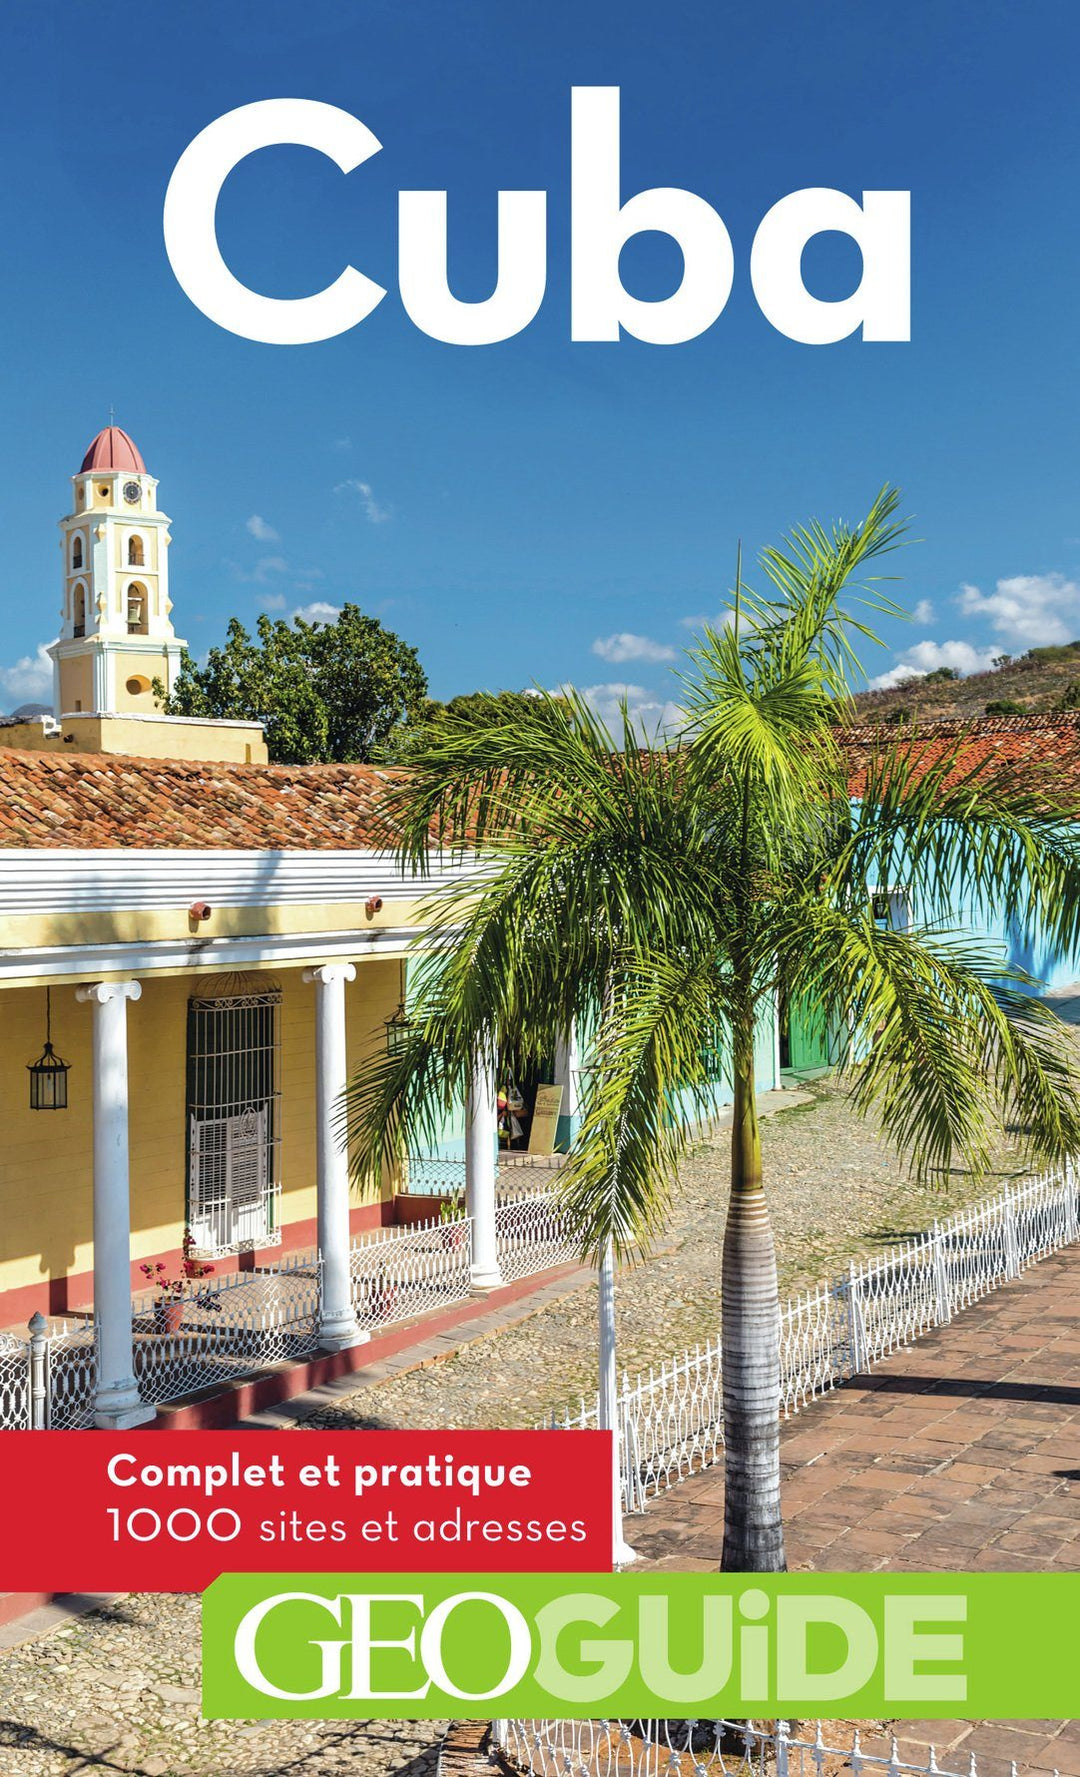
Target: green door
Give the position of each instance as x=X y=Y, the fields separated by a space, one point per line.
x=806 y=1048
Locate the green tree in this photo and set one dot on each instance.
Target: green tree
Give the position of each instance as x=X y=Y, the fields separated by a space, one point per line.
x=1069 y=699
x=483 y=709
x=672 y=895
x=326 y=691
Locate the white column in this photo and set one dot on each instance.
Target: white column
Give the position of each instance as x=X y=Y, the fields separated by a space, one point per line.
x=481 y=1148
x=117 y=1404
x=567 y=1068
x=608 y=1418
x=775 y=1002
x=337 y=1322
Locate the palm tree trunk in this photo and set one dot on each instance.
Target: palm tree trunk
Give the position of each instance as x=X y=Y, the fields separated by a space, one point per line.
x=608 y=1415
x=753 y=1528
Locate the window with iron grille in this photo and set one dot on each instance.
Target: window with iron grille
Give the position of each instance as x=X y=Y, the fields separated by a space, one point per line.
x=234 y=1120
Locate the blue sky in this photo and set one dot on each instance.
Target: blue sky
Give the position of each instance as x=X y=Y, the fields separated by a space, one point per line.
x=540 y=509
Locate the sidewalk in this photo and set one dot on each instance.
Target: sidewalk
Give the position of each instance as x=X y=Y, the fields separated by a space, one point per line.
x=959 y=1454
x=963 y=1451
x=417 y=1344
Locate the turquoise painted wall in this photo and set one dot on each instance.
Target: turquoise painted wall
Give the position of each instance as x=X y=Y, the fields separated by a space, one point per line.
x=976 y=918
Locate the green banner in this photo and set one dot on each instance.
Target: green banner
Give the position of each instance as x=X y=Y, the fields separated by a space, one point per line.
x=868 y=1645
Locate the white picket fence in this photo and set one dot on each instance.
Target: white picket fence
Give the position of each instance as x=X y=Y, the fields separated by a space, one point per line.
x=709 y=1749
x=670 y=1421
x=236 y=1325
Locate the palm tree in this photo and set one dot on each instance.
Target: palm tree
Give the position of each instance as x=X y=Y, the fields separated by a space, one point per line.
x=668 y=896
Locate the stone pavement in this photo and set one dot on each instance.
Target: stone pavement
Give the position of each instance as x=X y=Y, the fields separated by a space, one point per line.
x=960 y=1452
x=1001 y=1748
x=419 y=1344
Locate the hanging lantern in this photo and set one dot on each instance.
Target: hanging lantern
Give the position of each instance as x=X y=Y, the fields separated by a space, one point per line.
x=48 y=1076
x=397 y=1031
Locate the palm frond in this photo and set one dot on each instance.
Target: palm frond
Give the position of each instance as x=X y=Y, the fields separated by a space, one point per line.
x=967 y=830
x=947 y=1040
x=649 y=1067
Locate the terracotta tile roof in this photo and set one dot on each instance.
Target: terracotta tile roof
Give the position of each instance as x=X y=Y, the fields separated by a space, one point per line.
x=105 y=800
x=1052 y=741
x=100 y=801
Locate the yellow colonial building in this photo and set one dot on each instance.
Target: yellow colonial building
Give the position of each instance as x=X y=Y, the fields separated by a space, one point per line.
x=196 y=948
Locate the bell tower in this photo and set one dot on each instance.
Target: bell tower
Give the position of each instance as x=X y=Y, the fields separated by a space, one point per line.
x=117 y=635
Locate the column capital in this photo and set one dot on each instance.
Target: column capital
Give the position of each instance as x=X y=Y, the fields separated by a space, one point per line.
x=326 y=973
x=100 y=992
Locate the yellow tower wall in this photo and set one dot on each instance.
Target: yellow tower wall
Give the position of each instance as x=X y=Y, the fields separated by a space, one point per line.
x=135 y=674
x=77 y=683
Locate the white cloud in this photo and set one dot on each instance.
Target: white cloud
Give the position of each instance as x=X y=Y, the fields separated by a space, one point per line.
x=896 y=675
x=650 y=714
x=926 y=657
x=722 y=620
x=373 y=512
x=924 y=611
x=1035 y=610
x=317 y=612
x=30 y=680
x=625 y=646
x=273 y=601
x=260 y=529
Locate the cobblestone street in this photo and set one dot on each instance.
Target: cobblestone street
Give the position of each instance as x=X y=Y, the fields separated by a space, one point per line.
x=836 y=1191
x=117 y=1691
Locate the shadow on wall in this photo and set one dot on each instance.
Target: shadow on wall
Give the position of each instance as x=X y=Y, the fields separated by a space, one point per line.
x=1058 y=974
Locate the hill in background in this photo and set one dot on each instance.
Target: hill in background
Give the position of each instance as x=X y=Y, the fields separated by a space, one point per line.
x=1042 y=680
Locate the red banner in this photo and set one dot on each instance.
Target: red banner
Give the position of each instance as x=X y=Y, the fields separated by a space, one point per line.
x=169 y=1511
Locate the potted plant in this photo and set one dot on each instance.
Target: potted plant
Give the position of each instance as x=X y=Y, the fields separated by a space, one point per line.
x=452 y=1220
x=174 y=1293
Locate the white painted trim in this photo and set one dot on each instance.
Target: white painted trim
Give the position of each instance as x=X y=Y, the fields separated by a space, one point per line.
x=155 y=716
x=293 y=950
x=122 y=880
x=104 y=679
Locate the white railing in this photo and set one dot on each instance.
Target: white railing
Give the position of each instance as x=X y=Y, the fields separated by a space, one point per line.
x=401 y=1273
x=670 y=1421
x=226 y=1328
x=233 y=1326
x=14 y=1384
x=430 y=1175
x=709 y=1749
x=532 y=1233
x=63 y=1365
x=247 y=1322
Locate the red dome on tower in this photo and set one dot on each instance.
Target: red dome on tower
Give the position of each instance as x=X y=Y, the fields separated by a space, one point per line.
x=113 y=449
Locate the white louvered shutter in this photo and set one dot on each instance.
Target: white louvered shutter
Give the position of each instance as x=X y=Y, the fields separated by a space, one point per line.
x=209 y=1194
x=248 y=1194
